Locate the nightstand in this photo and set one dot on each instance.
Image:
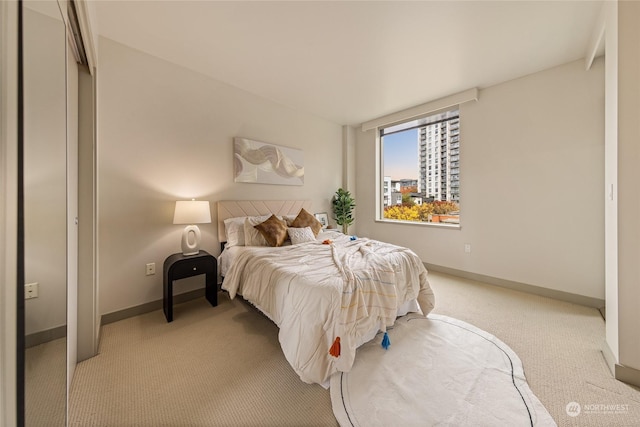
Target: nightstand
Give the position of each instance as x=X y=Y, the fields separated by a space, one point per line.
x=179 y=266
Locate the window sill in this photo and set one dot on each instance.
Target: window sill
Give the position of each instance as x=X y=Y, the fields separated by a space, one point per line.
x=421 y=224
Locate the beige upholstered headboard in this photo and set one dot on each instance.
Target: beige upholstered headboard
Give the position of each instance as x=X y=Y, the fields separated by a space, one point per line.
x=236 y=208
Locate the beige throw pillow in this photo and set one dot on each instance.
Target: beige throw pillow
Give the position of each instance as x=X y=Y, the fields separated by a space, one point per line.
x=273 y=230
x=305 y=219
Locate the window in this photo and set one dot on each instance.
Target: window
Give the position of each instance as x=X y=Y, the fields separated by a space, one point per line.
x=425 y=189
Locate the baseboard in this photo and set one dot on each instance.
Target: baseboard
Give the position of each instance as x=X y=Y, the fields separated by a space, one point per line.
x=148 y=307
x=42 y=337
x=627 y=375
x=609 y=358
x=523 y=287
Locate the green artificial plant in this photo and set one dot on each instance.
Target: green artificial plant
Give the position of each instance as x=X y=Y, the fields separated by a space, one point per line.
x=343 y=205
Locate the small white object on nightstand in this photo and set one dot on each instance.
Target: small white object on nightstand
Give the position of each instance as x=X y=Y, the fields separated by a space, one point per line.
x=191 y=212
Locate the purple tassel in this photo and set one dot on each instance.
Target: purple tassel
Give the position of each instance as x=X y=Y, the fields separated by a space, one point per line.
x=386 y=342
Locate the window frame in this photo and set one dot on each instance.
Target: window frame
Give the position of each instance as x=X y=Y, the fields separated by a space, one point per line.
x=380 y=196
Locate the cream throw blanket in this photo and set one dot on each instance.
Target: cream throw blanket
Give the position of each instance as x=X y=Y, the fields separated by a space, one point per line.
x=317 y=292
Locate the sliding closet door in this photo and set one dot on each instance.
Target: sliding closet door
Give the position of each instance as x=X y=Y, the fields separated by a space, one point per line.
x=88 y=314
x=8 y=212
x=46 y=212
x=72 y=215
x=51 y=217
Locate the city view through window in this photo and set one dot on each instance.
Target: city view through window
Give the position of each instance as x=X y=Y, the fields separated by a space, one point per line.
x=421 y=169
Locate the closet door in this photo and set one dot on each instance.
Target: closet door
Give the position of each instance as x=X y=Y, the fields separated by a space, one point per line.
x=47 y=230
x=50 y=170
x=72 y=215
x=10 y=353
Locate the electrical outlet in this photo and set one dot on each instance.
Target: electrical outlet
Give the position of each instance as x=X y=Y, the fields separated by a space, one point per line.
x=151 y=268
x=467 y=248
x=31 y=290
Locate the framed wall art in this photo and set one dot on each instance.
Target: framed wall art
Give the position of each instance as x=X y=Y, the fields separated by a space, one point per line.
x=323 y=218
x=262 y=163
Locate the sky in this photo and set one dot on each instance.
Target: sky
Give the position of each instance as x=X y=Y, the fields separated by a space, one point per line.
x=401 y=155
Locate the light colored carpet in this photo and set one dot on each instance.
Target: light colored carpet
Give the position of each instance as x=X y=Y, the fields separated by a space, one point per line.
x=559 y=344
x=45 y=384
x=219 y=366
x=223 y=366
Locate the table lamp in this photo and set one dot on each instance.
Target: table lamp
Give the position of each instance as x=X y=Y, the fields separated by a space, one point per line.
x=191 y=212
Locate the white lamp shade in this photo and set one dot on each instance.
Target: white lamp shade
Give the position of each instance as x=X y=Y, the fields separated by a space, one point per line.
x=192 y=212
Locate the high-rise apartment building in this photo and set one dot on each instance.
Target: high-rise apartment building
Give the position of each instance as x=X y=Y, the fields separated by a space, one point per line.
x=439 y=158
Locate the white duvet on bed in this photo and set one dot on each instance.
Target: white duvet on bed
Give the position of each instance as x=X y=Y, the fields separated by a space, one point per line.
x=317 y=292
x=225 y=260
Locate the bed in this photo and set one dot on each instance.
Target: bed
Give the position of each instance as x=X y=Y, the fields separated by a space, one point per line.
x=327 y=292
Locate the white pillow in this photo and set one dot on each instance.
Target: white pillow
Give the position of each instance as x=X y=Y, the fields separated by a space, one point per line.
x=289 y=219
x=301 y=235
x=234 y=229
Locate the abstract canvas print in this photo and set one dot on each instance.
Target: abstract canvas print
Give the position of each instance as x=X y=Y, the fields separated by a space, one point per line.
x=262 y=163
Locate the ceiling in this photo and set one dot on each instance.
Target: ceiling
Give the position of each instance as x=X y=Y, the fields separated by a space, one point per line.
x=350 y=62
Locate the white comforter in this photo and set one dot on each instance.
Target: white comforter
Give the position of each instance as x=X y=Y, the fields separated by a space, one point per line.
x=317 y=292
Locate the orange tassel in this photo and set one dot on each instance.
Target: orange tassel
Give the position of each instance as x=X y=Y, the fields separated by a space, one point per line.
x=335 y=348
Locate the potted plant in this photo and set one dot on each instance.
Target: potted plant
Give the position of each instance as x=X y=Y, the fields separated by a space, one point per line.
x=343 y=205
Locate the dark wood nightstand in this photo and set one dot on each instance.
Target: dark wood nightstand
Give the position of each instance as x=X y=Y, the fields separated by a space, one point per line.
x=178 y=266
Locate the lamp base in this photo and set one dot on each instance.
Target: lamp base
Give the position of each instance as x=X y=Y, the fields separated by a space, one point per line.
x=191 y=240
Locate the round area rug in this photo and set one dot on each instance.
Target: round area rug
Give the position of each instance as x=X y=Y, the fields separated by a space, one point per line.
x=438 y=371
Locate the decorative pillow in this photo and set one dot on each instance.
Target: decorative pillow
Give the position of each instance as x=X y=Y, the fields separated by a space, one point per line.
x=274 y=230
x=305 y=219
x=301 y=235
x=289 y=219
x=234 y=229
x=252 y=236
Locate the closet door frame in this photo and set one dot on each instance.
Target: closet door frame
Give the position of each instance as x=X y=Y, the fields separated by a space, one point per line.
x=10 y=382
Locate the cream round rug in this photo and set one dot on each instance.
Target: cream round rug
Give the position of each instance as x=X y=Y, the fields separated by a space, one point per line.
x=438 y=371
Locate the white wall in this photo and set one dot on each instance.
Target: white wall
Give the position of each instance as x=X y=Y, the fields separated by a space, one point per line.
x=532 y=173
x=349 y=159
x=165 y=133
